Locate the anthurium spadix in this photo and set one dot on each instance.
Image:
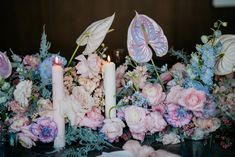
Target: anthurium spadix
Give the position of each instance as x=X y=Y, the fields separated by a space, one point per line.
x=5 y=66
x=145 y=36
x=94 y=35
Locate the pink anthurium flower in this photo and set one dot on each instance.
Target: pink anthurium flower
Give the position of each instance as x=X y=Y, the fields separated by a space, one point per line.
x=145 y=35
x=5 y=66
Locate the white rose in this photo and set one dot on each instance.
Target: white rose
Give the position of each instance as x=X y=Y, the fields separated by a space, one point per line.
x=23 y=92
x=113 y=128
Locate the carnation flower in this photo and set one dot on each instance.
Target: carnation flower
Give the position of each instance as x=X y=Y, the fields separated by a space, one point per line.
x=177 y=116
x=92 y=119
x=154 y=93
x=89 y=67
x=31 y=61
x=15 y=107
x=112 y=128
x=136 y=120
x=170 y=138
x=23 y=92
x=45 y=129
x=192 y=99
x=155 y=122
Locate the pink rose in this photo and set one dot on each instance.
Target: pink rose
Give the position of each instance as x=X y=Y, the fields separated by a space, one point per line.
x=113 y=128
x=154 y=93
x=120 y=74
x=174 y=95
x=92 y=119
x=166 y=76
x=89 y=67
x=155 y=122
x=135 y=118
x=192 y=99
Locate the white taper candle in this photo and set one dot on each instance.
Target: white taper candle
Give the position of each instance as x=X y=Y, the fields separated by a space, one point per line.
x=109 y=88
x=58 y=95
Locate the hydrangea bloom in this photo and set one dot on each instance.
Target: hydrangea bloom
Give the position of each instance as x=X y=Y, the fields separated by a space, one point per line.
x=138 y=100
x=188 y=83
x=177 y=116
x=45 y=68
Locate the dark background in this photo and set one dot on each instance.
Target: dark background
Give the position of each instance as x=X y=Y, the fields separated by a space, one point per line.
x=183 y=22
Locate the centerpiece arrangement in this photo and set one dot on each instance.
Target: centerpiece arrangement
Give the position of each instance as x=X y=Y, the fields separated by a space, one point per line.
x=45 y=99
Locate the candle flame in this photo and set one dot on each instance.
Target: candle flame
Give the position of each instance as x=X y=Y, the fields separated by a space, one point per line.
x=56 y=60
x=109 y=59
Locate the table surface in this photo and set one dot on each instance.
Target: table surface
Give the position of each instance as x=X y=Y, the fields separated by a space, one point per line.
x=191 y=150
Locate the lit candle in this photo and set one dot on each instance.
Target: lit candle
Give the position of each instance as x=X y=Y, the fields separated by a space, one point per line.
x=58 y=95
x=109 y=89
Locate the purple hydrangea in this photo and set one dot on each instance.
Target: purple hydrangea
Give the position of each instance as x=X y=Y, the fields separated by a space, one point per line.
x=45 y=129
x=177 y=116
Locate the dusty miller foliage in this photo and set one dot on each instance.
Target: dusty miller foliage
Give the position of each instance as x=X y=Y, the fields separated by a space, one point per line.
x=88 y=141
x=180 y=54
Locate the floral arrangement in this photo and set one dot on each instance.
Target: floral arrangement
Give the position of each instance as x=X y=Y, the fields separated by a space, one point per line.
x=166 y=104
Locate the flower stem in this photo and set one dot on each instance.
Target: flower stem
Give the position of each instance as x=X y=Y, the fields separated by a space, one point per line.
x=158 y=76
x=75 y=51
x=115 y=107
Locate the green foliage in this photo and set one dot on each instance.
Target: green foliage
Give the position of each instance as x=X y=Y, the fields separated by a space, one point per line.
x=88 y=141
x=44 y=46
x=6 y=94
x=179 y=54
